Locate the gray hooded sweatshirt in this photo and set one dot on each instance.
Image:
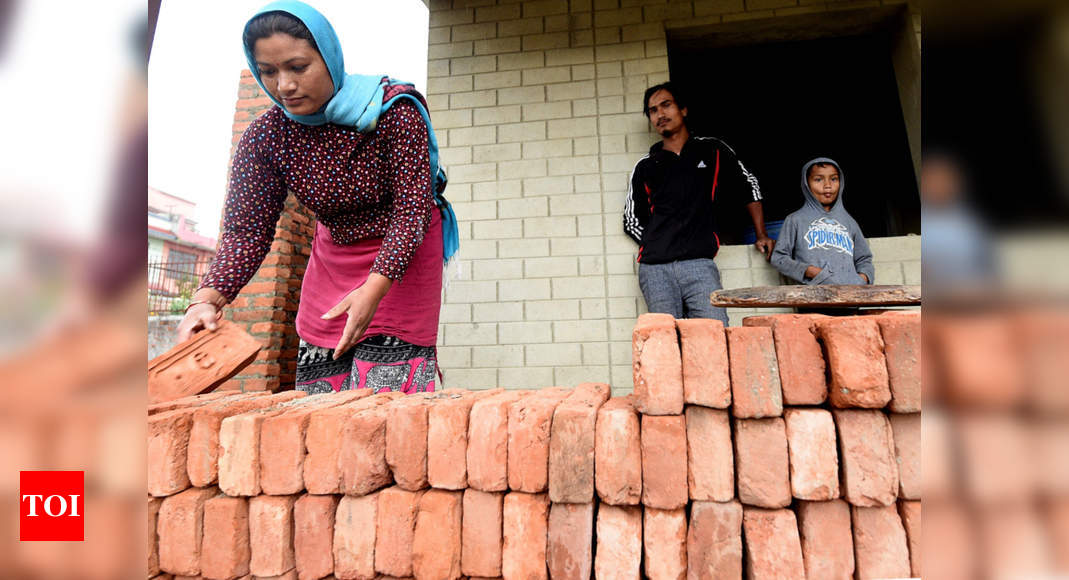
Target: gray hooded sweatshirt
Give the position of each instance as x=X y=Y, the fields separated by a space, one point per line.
x=830 y=240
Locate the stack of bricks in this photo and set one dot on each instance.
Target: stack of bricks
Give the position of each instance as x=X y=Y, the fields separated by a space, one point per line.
x=725 y=460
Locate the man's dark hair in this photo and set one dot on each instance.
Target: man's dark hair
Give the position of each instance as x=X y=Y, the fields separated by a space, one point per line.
x=270 y=23
x=809 y=172
x=677 y=96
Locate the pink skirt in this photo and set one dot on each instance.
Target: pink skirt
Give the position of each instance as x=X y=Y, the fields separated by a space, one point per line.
x=409 y=311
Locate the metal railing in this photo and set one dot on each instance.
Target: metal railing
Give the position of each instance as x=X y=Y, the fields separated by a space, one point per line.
x=171 y=284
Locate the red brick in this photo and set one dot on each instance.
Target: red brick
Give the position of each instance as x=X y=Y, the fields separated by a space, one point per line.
x=867 y=454
x=762 y=463
x=354 y=537
x=618 y=453
x=902 y=346
x=225 y=549
x=525 y=522
x=239 y=455
x=406 y=442
x=657 y=365
x=949 y=532
x=191 y=401
x=755 y=386
x=395 y=530
x=153 y=542
x=800 y=359
x=481 y=534
x=180 y=528
x=665 y=543
x=203 y=456
x=906 y=431
x=714 y=540
x=447 y=438
x=856 y=362
x=571 y=444
x=773 y=549
x=570 y=551
x=619 y=536
x=271 y=534
x=323 y=440
x=710 y=457
x=910 y=512
x=979 y=358
x=664 y=472
x=362 y=456
x=528 y=442
x=168 y=441
x=436 y=544
x=488 y=437
x=313 y=535
x=827 y=542
x=814 y=457
x=704 y=349
x=880 y=543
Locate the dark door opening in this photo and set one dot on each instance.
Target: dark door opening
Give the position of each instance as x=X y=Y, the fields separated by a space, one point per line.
x=780 y=104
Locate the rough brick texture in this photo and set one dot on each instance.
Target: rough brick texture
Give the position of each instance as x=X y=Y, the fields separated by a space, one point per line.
x=619 y=543
x=525 y=523
x=488 y=437
x=354 y=537
x=910 y=512
x=657 y=365
x=827 y=540
x=664 y=474
x=880 y=543
x=313 y=535
x=271 y=534
x=395 y=529
x=447 y=438
x=703 y=346
x=570 y=549
x=714 y=540
x=798 y=353
x=529 y=423
x=572 y=443
x=710 y=457
x=773 y=549
x=901 y=333
x=664 y=539
x=856 y=362
x=362 y=456
x=436 y=545
x=225 y=548
x=867 y=453
x=762 y=463
x=618 y=453
x=406 y=442
x=323 y=441
x=813 y=453
x=180 y=528
x=481 y=534
x=906 y=430
x=755 y=385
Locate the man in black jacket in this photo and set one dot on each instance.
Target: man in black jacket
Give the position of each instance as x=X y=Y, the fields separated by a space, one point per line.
x=675 y=196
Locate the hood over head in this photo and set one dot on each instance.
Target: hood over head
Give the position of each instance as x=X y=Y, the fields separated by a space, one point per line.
x=811 y=201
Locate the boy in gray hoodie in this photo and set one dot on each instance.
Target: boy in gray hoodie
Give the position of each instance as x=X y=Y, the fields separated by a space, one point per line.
x=821 y=243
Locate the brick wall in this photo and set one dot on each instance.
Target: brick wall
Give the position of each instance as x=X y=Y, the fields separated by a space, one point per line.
x=537 y=109
x=267 y=306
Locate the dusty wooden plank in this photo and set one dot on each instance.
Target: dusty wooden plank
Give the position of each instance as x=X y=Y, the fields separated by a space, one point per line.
x=816 y=296
x=201 y=363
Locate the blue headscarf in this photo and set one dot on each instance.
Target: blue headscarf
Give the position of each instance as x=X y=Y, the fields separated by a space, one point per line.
x=357 y=102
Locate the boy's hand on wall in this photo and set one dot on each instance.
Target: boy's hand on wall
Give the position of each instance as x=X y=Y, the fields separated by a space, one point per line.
x=765 y=245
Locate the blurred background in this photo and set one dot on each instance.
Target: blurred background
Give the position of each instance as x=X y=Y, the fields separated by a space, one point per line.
x=995 y=205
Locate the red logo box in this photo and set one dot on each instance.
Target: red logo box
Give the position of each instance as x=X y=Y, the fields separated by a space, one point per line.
x=51 y=506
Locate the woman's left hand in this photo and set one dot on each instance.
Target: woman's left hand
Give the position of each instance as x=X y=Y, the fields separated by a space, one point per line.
x=360 y=305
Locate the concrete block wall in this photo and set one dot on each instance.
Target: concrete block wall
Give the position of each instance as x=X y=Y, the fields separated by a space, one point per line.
x=537 y=108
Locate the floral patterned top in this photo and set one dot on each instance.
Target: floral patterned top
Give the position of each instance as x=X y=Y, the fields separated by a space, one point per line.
x=359 y=185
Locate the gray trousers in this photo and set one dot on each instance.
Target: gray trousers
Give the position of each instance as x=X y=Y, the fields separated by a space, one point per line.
x=682 y=288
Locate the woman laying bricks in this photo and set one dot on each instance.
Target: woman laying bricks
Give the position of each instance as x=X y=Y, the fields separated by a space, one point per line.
x=359 y=151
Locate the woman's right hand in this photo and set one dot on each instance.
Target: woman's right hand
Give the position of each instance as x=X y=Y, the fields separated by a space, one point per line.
x=198 y=317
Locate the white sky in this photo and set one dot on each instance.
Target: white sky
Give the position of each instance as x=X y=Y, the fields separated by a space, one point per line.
x=193 y=82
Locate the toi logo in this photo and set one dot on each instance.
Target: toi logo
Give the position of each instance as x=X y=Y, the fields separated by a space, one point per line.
x=51 y=506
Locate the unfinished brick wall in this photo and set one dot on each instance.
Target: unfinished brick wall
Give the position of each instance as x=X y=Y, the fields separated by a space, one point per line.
x=267 y=306
x=734 y=438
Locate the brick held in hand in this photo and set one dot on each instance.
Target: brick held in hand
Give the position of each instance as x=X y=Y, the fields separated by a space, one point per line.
x=827 y=539
x=619 y=535
x=755 y=384
x=664 y=465
x=618 y=453
x=225 y=550
x=447 y=437
x=525 y=530
x=529 y=422
x=710 y=456
x=856 y=362
x=773 y=549
x=867 y=454
x=664 y=540
x=657 y=365
x=180 y=527
x=571 y=444
x=355 y=536
x=704 y=350
x=880 y=542
x=714 y=540
x=436 y=544
x=901 y=334
x=570 y=550
x=814 y=455
x=481 y=533
x=201 y=363
x=762 y=464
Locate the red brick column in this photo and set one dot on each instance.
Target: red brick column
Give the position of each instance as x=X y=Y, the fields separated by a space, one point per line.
x=267 y=306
